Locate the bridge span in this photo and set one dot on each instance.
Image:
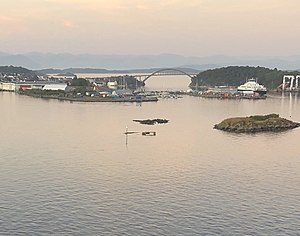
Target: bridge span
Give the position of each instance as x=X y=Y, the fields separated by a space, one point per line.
x=164 y=72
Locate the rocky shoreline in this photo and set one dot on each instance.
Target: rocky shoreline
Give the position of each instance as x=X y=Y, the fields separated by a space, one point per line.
x=254 y=124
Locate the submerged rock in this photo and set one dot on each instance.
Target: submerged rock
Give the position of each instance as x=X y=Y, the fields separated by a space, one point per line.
x=259 y=123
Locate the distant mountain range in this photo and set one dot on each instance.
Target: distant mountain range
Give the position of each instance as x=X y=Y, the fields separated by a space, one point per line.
x=71 y=71
x=37 y=61
x=105 y=71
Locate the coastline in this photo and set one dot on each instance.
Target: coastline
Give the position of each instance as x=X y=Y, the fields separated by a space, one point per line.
x=95 y=99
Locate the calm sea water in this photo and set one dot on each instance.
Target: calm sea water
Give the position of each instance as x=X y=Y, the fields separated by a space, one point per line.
x=68 y=169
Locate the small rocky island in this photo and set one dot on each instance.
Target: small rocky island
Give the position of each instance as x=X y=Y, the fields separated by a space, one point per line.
x=258 y=123
x=152 y=121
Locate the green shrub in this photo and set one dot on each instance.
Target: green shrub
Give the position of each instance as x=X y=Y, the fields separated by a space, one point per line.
x=263 y=117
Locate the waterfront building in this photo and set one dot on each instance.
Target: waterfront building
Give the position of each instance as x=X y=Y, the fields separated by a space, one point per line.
x=42 y=85
x=8 y=86
x=55 y=87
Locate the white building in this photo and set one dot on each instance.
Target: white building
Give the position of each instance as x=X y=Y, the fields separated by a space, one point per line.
x=55 y=87
x=7 y=86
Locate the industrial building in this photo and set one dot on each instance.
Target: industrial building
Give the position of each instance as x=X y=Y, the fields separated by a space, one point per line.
x=43 y=85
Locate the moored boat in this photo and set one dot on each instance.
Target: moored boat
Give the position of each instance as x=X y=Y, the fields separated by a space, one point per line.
x=251 y=86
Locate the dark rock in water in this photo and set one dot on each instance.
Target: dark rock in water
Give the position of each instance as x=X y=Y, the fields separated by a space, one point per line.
x=254 y=124
x=152 y=121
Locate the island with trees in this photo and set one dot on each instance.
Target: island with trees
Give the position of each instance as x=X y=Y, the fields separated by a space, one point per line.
x=237 y=75
x=257 y=123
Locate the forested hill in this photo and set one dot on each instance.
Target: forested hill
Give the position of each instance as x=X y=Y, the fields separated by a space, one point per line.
x=236 y=75
x=14 y=70
x=23 y=72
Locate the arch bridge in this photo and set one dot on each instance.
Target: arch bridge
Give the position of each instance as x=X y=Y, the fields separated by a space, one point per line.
x=165 y=72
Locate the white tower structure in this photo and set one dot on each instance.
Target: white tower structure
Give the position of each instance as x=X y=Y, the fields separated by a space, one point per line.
x=292 y=83
x=286 y=78
x=290 y=79
x=297 y=81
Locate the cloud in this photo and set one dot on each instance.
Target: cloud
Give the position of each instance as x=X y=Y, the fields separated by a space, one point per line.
x=11 y=24
x=128 y=25
x=8 y=20
x=68 y=24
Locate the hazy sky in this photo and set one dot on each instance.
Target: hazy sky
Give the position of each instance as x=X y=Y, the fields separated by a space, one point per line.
x=187 y=27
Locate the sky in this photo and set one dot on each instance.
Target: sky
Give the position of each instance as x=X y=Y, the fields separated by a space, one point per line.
x=138 y=27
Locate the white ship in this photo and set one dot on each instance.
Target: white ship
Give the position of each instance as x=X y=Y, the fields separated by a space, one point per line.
x=112 y=85
x=251 y=86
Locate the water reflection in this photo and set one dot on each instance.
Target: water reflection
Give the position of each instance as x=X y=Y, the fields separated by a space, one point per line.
x=290 y=101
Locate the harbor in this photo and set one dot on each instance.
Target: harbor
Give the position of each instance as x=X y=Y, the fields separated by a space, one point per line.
x=149 y=118
x=169 y=144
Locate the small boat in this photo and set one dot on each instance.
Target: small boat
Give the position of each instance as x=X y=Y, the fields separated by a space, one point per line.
x=149 y=133
x=251 y=86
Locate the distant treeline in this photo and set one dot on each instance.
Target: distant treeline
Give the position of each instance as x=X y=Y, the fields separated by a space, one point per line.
x=236 y=75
